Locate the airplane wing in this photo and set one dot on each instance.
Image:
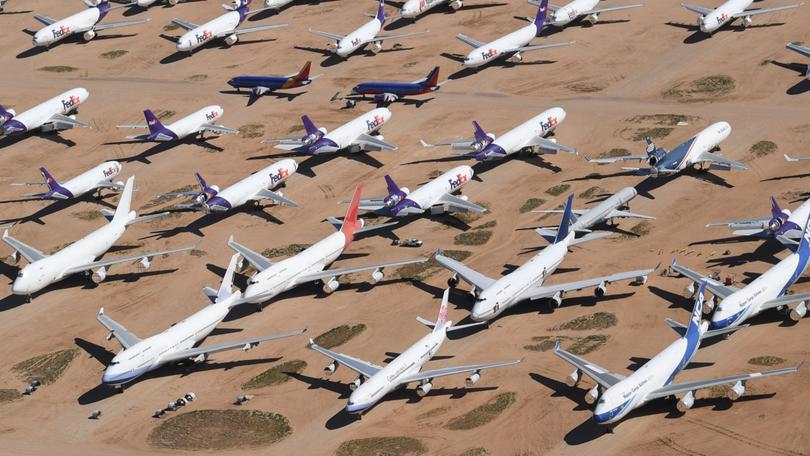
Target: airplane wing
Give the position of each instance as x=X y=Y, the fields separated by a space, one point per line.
x=716 y=159
x=59 y=119
x=456 y=204
x=600 y=375
x=399 y=35
x=611 y=8
x=125 y=338
x=472 y=42
x=219 y=129
x=110 y=185
x=271 y=195
x=785 y=300
x=257 y=28
x=681 y=329
x=337 y=223
x=259 y=262
x=747 y=223
x=801 y=50
x=427 y=375
x=697 y=9
x=547 y=291
x=615 y=213
x=673 y=389
x=369 y=141
x=608 y=160
x=369 y=204
x=112 y=25
x=112 y=261
x=715 y=287
x=463 y=145
x=538 y=47
x=44 y=19
x=327 y=34
x=133 y=126
x=29 y=253
x=469 y=275
x=774 y=9
x=326 y=273
x=363 y=368
x=184 y=24
x=550 y=145
x=245 y=345
x=795 y=159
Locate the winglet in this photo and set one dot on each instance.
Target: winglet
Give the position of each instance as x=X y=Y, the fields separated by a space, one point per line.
x=565 y=223
x=101 y=312
x=790 y=159
x=557 y=345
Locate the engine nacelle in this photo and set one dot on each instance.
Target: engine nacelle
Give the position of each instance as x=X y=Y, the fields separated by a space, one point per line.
x=774 y=224
x=386 y=97
x=330 y=286
x=89 y=35
x=700 y=20
x=600 y=290
x=798 y=312
x=144 y=264
x=14 y=258
x=747 y=21
x=452 y=282
x=652 y=160
x=377 y=275
x=173 y=2
x=473 y=379
x=708 y=305
x=330 y=368
x=259 y=91
x=376 y=46
x=686 y=402
x=690 y=289
x=592 y=395
x=201 y=358
x=516 y=58
x=310 y=139
x=736 y=391
x=592 y=18
x=423 y=389
x=356 y=383
x=99 y=274
x=230 y=40
x=573 y=378
x=456 y=4
x=557 y=299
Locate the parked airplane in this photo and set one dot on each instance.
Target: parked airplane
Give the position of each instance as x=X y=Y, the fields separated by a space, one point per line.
x=367 y=33
x=492 y=296
x=564 y=15
x=511 y=45
x=411 y=9
x=389 y=92
x=255 y=188
x=95 y=179
x=260 y=85
x=695 y=152
x=196 y=123
x=56 y=114
x=310 y=265
x=435 y=197
x=43 y=270
x=620 y=395
x=765 y=292
x=148 y=3
x=86 y=22
x=354 y=135
x=712 y=19
x=224 y=26
x=529 y=135
x=805 y=52
x=609 y=209
x=782 y=225
x=375 y=382
x=179 y=342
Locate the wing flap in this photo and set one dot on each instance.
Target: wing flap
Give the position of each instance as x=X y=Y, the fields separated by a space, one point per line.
x=611 y=8
x=544 y=143
x=774 y=9
x=333 y=36
x=399 y=35
x=457 y=204
x=538 y=47
x=44 y=19
x=65 y=120
x=627 y=214
x=257 y=28
x=715 y=159
x=184 y=24
x=470 y=41
x=369 y=141
x=112 y=25
x=271 y=195
x=700 y=384
x=697 y=9
x=219 y=129
x=349 y=270
x=547 y=291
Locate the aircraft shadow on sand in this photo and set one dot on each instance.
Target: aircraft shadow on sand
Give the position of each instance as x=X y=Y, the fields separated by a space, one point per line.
x=801 y=68
x=57 y=206
x=207 y=220
x=579 y=22
x=8 y=141
x=73 y=39
x=306 y=167
x=697 y=36
x=499 y=63
x=442 y=9
x=159 y=147
x=252 y=98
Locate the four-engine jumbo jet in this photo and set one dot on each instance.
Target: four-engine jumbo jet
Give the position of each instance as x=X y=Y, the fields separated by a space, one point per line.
x=528 y=135
x=696 y=151
x=260 y=85
x=712 y=19
x=95 y=179
x=435 y=197
x=354 y=136
x=782 y=225
x=196 y=123
x=85 y=22
x=55 y=114
x=255 y=188
x=375 y=382
x=492 y=296
x=43 y=270
x=310 y=265
x=564 y=15
x=511 y=45
x=179 y=342
x=389 y=92
x=367 y=33
x=225 y=26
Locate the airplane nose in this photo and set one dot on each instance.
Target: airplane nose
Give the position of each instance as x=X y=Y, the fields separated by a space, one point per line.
x=17 y=288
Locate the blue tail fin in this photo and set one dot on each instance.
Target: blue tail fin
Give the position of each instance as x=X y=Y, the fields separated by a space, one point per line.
x=381 y=13
x=693 y=331
x=393 y=188
x=565 y=223
x=480 y=135
x=542 y=12
x=152 y=122
x=309 y=126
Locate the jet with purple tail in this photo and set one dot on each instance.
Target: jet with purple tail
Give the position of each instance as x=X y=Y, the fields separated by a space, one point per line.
x=196 y=123
x=95 y=179
x=86 y=22
x=56 y=114
x=783 y=225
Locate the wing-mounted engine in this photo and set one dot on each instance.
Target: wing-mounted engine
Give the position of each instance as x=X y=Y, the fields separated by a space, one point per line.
x=654 y=154
x=517 y=57
x=89 y=35
x=592 y=18
x=386 y=97
x=230 y=40
x=747 y=21
x=394 y=198
x=456 y=4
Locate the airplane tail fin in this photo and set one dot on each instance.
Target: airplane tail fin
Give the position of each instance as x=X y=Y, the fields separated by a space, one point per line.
x=309 y=126
x=393 y=188
x=693 y=332
x=152 y=122
x=381 y=12
x=650 y=145
x=5 y=115
x=226 y=287
x=303 y=75
x=432 y=78
x=480 y=134
x=542 y=12
x=442 y=318
x=122 y=212
x=565 y=223
x=350 y=222
x=53 y=184
x=776 y=211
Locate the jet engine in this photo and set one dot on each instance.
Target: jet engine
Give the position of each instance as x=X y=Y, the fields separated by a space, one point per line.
x=377 y=275
x=480 y=144
x=686 y=402
x=747 y=21
x=14 y=258
x=423 y=389
x=99 y=275
x=600 y=290
x=259 y=91
x=376 y=46
x=573 y=378
x=230 y=40
x=700 y=20
x=144 y=264
x=557 y=299
x=452 y=282
x=690 y=289
x=201 y=358
x=10 y=113
x=592 y=18
x=473 y=379
x=774 y=224
x=456 y=4
x=592 y=395
x=386 y=97
x=708 y=305
x=356 y=383
x=173 y=2
x=516 y=58
x=330 y=368
x=330 y=286
x=89 y=35
x=736 y=391
x=798 y=312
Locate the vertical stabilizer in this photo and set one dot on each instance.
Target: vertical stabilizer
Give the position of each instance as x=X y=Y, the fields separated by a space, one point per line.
x=565 y=223
x=124 y=204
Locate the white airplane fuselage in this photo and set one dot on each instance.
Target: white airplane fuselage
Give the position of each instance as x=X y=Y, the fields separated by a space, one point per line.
x=90 y=179
x=191 y=124
x=358 y=38
x=571 y=11
x=267 y=178
x=722 y=14
x=503 y=45
x=540 y=125
x=276 y=3
x=449 y=182
x=600 y=212
x=413 y=8
x=40 y=115
x=81 y=22
x=369 y=122
x=689 y=152
x=208 y=31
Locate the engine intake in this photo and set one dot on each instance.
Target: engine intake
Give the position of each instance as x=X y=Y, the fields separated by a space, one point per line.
x=423 y=389
x=686 y=402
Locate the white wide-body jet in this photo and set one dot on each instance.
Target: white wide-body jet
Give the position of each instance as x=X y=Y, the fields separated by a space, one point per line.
x=411 y=9
x=225 y=26
x=55 y=114
x=196 y=123
x=564 y=15
x=530 y=135
x=768 y=291
x=609 y=209
x=311 y=264
x=805 y=51
x=148 y=3
x=367 y=33
x=783 y=225
x=695 y=152
x=256 y=187
x=43 y=270
x=511 y=45
x=616 y=395
x=93 y=180
x=353 y=136
x=492 y=297
x=179 y=342
x=375 y=382
x=712 y=19
x=435 y=197
x=86 y=22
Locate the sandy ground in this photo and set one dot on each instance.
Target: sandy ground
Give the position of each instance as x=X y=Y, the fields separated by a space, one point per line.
x=615 y=71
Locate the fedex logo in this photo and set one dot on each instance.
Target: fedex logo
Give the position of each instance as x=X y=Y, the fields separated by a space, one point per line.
x=152 y=122
x=549 y=124
x=211 y=116
x=70 y=102
x=282 y=174
x=460 y=180
x=489 y=54
x=356 y=41
x=422 y=5
x=376 y=122
x=722 y=18
x=109 y=171
x=206 y=35
x=60 y=32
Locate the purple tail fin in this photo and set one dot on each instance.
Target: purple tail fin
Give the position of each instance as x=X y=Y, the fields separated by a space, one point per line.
x=5 y=115
x=776 y=211
x=52 y=183
x=153 y=123
x=203 y=185
x=309 y=126
x=480 y=135
x=204 y=188
x=381 y=13
x=393 y=188
x=542 y=12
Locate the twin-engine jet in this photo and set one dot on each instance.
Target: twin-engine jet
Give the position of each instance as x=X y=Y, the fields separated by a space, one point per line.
x=225 y=27
x=196 y=123
x=93 y=180
x=86 y=22
x=58 y=113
